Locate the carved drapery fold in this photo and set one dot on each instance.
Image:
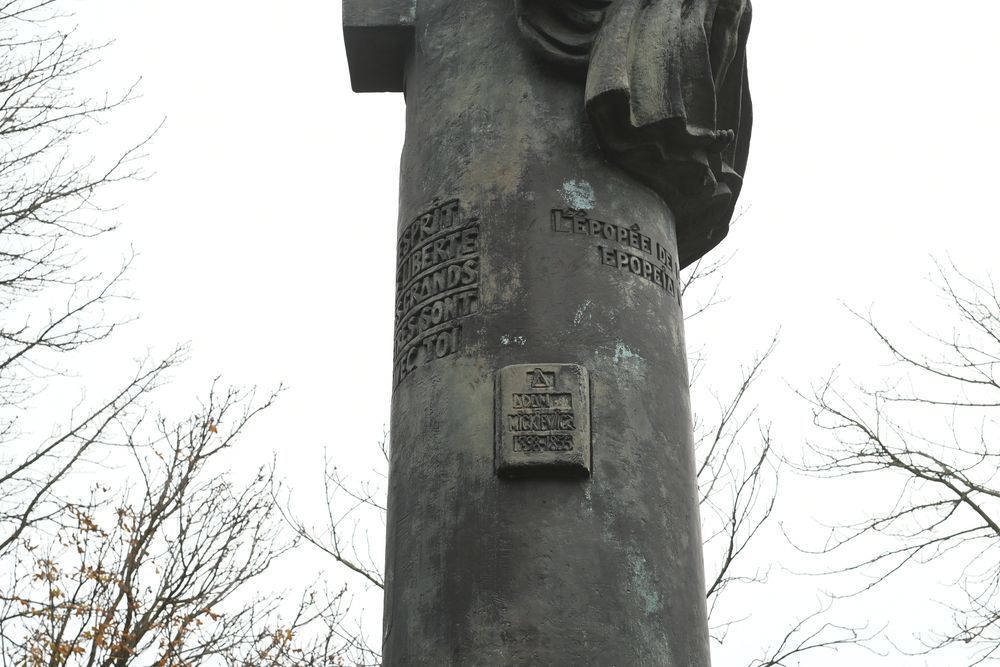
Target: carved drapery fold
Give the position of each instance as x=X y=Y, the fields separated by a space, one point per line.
x=666 y=93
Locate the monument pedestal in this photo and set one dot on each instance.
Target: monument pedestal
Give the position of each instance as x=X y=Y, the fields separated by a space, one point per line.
x=542 y=495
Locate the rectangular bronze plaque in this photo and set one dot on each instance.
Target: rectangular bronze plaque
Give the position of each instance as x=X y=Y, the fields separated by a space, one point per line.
x=543 y=420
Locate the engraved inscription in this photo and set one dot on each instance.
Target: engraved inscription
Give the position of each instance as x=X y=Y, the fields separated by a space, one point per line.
x=437 y=285
x=547 y=442
x=639 y=266
x=540 y=414
x=543 y=401
x=576 y=222
x=544 y=419
x=623 y=248
x=541 y=421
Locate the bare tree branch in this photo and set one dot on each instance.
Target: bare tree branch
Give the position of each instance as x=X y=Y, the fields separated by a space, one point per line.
x=947 y=507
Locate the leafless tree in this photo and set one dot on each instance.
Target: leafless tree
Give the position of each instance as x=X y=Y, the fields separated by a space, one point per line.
x=930 y=439
x=352 y=510
x=738 y=482
x=156 y=562
x=48 y=196
x=737 y=471
x=162 y=572
x=50 y=304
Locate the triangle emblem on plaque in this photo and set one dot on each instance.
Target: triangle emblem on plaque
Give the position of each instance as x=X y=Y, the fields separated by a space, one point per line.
x=542 y=380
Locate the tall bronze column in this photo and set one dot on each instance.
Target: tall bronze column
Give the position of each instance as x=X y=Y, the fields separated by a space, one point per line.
x=542 y=494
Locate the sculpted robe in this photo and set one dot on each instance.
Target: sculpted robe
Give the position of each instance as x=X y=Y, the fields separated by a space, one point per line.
x=666 y=93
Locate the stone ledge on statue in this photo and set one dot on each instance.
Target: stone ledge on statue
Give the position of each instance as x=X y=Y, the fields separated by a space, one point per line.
x=377 y=36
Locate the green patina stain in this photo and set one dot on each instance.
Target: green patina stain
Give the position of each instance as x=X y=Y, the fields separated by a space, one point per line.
x=623 y=353
x=581 y=311
x=644 y=584
x=579 y=195
x=513 y=340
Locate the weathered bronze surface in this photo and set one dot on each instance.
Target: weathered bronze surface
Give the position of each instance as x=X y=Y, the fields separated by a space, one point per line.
x=666 y=93
x=563 y=160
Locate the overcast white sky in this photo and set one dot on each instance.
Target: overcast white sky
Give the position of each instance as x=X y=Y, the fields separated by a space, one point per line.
x=266 y=237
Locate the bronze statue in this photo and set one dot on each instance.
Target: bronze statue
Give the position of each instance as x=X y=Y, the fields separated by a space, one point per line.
x=666 y=93
x=563 y=159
